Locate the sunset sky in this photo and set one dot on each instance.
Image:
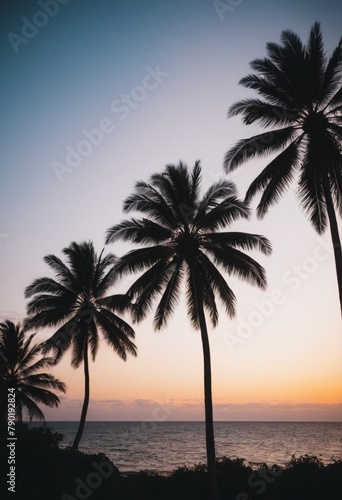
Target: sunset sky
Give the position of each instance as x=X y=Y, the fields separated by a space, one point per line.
x=157 y=77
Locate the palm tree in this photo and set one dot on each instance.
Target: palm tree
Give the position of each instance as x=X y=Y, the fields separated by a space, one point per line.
x=18 y=371
x=182 y=243
x=75 y=301
x=301 y=96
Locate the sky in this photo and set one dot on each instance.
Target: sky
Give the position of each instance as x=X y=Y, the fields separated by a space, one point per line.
x=100 y=94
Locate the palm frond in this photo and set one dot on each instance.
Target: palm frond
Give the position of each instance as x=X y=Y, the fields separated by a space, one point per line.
x=108 y=279
x=48 y=317
x=148 y=286
x=215 y=193
x=281 y=166
x=125 y=329
x=275 y=73
x=193 y=296
x=317 y=61
x=170 y=297
x=175 y=185
x=93 y=339
x=82 y=261
x=245 y=241
x=258 y=145
x=293 y=44
x=63 y=273
x=196 y=177
x=283 y=105
x=40 y=395
x=43 y=380
x=208 y=290
x=79 y=344
x=138 y=260
x=310 y=193
x=263 y=112
x=239 y=264
x=337 y=132
x=149 y=201
x=199 y=294
x=275 y=178
x=61 y=340
x=139 y=231
x=104 y=276
x=115 y=331
x=43 y=302
x=334 y=103
x=44 y=362
x=223 y=214
x=116 y=303
x=32 y=409
x=27 y=352
x=332 y=77
x=335 y=179
x=49 y=286
x=220 y=285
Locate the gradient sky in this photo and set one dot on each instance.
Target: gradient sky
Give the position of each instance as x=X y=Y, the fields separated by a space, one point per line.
x=280 y=358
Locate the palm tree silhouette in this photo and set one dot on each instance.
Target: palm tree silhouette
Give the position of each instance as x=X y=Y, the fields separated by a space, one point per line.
x=18 y=371
x=301 y=93
x=76 y=301
x=182 y=243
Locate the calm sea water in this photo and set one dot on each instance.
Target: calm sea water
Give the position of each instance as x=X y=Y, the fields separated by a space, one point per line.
x=164 y=446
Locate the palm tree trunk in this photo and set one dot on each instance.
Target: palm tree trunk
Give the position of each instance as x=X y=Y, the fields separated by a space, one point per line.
x=86 y=398
x=334 y=235
x=208 y=404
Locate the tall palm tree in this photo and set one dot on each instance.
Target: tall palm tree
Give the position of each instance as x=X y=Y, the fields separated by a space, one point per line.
x=301 y=96
x=180 y=231
x=18 y=371
x=75 y=301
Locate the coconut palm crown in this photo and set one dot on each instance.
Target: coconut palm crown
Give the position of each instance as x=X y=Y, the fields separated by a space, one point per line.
x=184 y=242
x=18 y=370
x=76 y=302
x=301 y=101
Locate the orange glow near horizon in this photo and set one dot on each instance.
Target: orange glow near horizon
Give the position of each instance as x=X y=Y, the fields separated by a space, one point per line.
x=106 y=383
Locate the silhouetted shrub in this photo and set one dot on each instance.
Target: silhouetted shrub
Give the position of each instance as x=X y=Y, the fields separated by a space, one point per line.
x=44 y=471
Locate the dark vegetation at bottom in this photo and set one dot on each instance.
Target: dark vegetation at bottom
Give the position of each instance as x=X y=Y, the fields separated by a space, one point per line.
x=44 y=471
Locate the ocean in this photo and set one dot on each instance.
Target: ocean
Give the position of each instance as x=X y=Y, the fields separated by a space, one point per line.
x=163 y=446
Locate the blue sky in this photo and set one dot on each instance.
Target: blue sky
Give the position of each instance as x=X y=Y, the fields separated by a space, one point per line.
x=174 y=67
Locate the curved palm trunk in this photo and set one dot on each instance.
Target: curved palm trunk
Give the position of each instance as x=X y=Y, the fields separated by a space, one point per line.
x=86 y=399
x=334 y=235
x=208 y=403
